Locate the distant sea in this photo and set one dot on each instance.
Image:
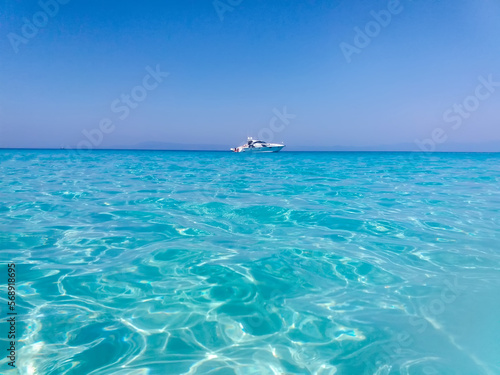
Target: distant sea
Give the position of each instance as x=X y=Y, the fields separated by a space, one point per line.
x=138 y=263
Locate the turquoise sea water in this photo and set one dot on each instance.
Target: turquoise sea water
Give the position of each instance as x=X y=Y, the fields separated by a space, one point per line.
x=220 y=263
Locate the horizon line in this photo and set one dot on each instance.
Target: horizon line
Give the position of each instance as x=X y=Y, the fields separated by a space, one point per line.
x=229 y=151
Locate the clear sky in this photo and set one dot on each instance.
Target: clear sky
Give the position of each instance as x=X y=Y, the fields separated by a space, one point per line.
x=308 y=72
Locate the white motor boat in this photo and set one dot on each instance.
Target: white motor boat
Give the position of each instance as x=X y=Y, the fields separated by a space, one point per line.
x=253 y=145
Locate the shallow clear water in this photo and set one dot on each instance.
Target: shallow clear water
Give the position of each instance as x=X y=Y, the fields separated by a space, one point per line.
x=220 y=263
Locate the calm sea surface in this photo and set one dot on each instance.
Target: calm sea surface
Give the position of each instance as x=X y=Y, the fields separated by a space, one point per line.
x=219 y=263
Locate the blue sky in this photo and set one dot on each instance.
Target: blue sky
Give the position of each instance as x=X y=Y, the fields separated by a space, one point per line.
x=233 y=68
